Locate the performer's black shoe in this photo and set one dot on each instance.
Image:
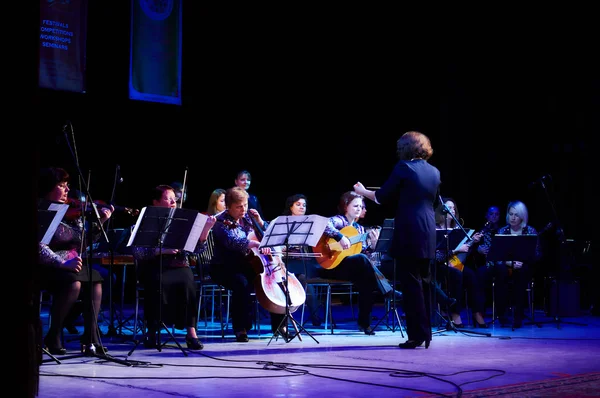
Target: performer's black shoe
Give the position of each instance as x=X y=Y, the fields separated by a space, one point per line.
x=193 y=343
x=368 y=330
x=92 y=349
x=282 y=331
x=413 y=344
x=150 y=340
x=54 y=348
x=242 y=338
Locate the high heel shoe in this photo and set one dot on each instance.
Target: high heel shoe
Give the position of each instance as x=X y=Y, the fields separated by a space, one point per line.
x=150 y=341
x=193 y=343
x=413 y=344
x=368 y=330
x=282 y=331
x=92 y=349
x=54 y=349
x=480 y=325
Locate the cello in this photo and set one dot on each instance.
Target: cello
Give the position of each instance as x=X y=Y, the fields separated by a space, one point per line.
x=272 y=291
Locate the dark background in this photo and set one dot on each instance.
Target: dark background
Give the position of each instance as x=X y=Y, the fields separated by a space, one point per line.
x=312 y=102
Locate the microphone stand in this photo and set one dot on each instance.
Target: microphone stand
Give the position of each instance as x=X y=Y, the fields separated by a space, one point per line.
x=449 y=323
x=85 y=236
x=111 y=327
x=563 y=240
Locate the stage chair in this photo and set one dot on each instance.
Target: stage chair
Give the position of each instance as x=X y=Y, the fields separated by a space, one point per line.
x=138 y=323
x=208 y=288
x=46 y=300
x=329 y=285
x=529 y=291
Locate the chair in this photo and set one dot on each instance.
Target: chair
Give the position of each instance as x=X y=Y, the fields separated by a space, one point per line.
x=46 y=299
x=208 y=288
x=329 y=285
x=138 y=324
x=529 y=291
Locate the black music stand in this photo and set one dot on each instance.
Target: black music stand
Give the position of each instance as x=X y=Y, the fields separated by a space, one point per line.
x=166 y=228
x=382 y=247
x=506 y=247
x=297 y=231
x=513 y=248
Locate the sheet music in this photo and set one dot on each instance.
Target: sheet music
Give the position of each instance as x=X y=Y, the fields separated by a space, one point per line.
x=299 y=230
x=178 y=228
x=192 y=241
x=136 y=227
x=61 y=210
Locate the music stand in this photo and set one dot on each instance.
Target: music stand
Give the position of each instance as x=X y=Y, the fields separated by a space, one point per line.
x=382 y=247
x=513 y=248
x=506 y=247
x=166 y=228
x=297 y=231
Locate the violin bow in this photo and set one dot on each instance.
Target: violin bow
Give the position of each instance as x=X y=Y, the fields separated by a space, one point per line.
x=183 y=187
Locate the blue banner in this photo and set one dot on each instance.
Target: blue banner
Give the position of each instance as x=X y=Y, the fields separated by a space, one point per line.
x=155 y=54
x=62 y=45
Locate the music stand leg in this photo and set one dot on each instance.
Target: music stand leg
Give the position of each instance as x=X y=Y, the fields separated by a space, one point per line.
x=161 y=324
x=52 y=357
x=392 y=308
x=288 y=316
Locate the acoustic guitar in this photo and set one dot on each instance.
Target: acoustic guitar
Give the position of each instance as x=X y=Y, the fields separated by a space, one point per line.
x=331 y=251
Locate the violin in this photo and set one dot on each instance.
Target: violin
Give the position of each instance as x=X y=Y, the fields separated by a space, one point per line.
x=77 y=206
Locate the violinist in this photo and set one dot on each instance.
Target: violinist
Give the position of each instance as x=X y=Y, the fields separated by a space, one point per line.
x=231 y=265
x=62 y=271
x=179 y=296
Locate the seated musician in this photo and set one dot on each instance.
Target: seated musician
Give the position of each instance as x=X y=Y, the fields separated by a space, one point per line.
x=179 y=293
x=231 y=265
x=517 y=218
x=356 y=268
x=454 y=267
x=301 y=262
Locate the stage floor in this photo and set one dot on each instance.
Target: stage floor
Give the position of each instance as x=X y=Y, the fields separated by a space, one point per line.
x=317 y=363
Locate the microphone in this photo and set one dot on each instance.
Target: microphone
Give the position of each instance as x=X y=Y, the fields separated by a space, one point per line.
x=540 y=181
x=119 y=178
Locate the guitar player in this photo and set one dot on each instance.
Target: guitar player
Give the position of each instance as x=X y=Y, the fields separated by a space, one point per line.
x=344 y=258
x=458 y=277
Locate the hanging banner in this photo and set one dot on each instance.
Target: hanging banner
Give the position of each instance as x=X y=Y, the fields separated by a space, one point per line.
x=62 y=45
x=155 y=53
